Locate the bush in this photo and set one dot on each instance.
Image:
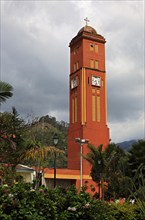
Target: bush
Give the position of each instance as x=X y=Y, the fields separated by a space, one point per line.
x=22 y=202
x=126 y=211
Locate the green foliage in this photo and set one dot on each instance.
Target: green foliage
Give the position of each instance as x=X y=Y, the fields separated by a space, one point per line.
x=109 y=166
x=136 y=157
x=61 y=128
x=7 y=174
x=96 y=158
x=41 y=132
x=124 y=172
x=126 y=211
x=5 y=91
x=21 y=201
x=18 y=139
x=138 y=192
x=13 y=144
x=12 y=138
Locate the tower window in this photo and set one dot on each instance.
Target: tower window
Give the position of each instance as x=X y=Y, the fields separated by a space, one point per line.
x=73 y=104
x=93 y=108
x=88 y=80
x=74 y=67
x=76 y=50
x=92 y=63
x=91 y=47
x=96 y=48
x=98 y=108
x=77 y=64
x=74 y=109
x=96 y=64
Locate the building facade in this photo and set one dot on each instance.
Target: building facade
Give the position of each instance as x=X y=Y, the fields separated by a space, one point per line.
x=88 y=95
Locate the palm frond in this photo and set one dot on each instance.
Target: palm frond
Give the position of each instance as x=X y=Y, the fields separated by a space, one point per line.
x=94 y=154
x=5 y=91
x=41 y=153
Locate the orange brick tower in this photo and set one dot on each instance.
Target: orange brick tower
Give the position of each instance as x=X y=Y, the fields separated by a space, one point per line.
x=88 y=95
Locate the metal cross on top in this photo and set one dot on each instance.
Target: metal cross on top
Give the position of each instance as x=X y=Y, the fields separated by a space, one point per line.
x=86 y=20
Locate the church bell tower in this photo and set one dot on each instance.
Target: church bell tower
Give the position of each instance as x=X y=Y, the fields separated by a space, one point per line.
x=88 y=95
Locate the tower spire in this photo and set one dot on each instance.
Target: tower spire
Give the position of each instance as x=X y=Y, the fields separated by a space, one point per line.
x=86 y=20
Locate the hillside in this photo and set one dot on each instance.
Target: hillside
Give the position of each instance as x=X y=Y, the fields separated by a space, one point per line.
x=126 y=145
x=62 y=129
x=41 y=132
x=48 y=126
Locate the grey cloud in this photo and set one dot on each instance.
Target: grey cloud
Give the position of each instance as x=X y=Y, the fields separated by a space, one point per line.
x=35 y=56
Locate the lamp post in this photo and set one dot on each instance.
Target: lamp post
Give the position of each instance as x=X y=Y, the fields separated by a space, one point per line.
x=81 y=142
x=55 y=141
x=99 y=163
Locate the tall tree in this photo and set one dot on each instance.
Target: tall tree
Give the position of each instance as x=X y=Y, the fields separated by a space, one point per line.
x=137 y=168
x=11 y=137
x=13 y=143
x=101 y=161
x=116 y=172
x=107 y=166
x=136 y=156
x=96 y=158
x=5 y=91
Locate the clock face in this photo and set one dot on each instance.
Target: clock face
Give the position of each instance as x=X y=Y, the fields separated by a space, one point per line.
x=96 y=81
x=73 y=83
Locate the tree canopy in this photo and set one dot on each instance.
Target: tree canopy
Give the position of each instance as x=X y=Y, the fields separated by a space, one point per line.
x=123 y=172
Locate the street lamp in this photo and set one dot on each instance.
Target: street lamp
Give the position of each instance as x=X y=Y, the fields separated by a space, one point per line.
x=81 y=142
x=99 y=163
x=55 y=141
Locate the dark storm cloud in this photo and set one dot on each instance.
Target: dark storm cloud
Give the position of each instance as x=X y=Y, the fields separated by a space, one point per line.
x=35 y=62
x=35 y=57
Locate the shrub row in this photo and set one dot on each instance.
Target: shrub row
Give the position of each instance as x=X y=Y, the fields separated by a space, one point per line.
x=21 y=201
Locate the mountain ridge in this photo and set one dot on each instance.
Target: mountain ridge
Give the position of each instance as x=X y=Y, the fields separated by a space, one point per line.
x=126 y=145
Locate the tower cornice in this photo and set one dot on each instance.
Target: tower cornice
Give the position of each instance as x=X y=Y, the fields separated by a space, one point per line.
x=87 y=35
x=88 y=68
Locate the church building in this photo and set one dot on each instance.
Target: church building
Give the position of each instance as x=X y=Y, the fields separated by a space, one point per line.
x=88 y=106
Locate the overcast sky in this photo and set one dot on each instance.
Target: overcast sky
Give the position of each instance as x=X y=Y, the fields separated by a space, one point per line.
x=35 y=58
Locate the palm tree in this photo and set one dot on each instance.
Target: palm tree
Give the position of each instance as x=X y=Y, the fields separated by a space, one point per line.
x=96 y=159
x=100 y=160
x=38 y=154
x=5 y=91
x=104 y=164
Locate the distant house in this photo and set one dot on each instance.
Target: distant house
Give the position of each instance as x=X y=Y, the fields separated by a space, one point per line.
x=26 y=172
